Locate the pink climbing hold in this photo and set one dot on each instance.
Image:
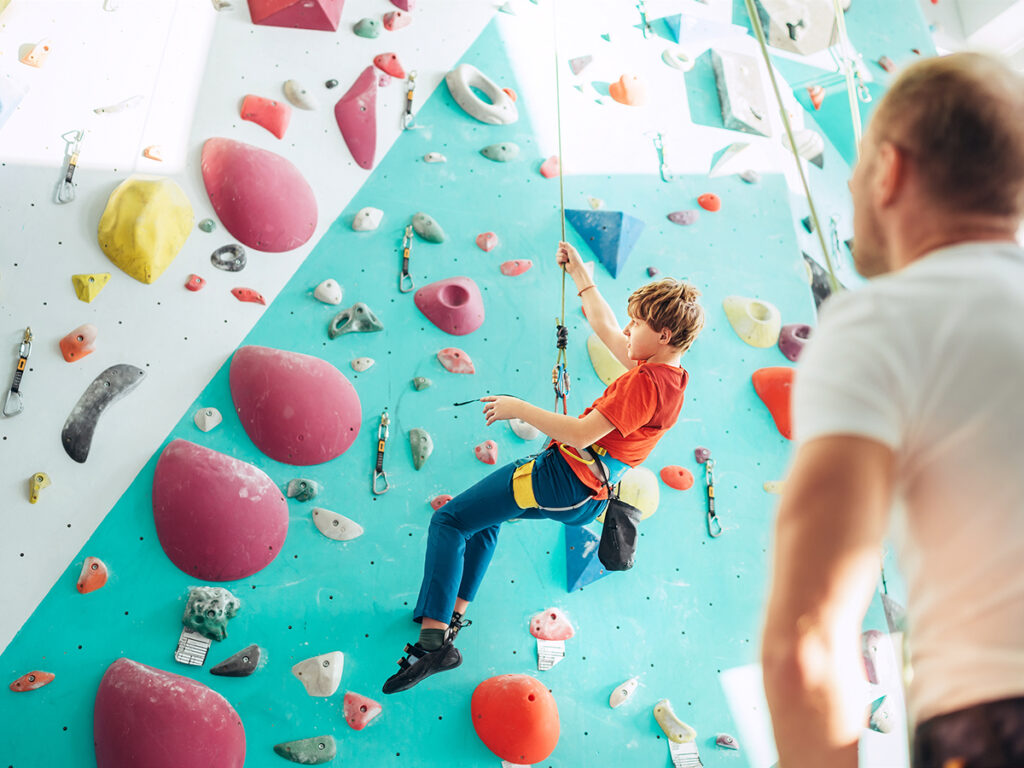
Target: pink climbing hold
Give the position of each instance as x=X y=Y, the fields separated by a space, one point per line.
x=709 y=201
x=217 y=518
x=248 y=294
x=792 y=339
x=701 y=454
x=439 y=501
x=145 y=716
x=356 y=113
x=487 y=452
x=551 y=624
x=405 y=5
x=195 y=282
x=454 y=305
x=360 y=710
x=455 y=360
x=396 y=20
x=515 y=267
x=550 y=167
x=296 y=408
x=271 y=114
x=677 y=477
x=487 y=241
x=300 y=14
x=389 y=63
x=261 y=198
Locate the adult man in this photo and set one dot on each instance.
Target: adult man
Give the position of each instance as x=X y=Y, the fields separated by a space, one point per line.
x=910 y=394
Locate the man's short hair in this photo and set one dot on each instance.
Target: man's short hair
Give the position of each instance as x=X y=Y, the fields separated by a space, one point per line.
x=672 y=304
x=961 y=119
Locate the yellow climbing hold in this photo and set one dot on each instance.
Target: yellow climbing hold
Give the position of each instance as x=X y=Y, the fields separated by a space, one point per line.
x=88 y=287
x=145 y=223
x=774 y=486
x=639 y=487
x=756 y=322
x=606 y=366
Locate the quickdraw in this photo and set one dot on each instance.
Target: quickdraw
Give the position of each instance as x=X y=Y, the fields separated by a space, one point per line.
x=378 y=472
x=13 y=405
x=405 y=281
x=714 y=527
x=407 y=114
x=66 y=188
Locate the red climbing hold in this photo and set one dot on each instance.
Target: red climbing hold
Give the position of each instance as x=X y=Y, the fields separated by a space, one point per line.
x=455 y=360
x=194 y=282
x=487 y=452
x=388 y=62
x=30 y=681
x=439 y=501
x=487 y=241
x=356 y=114
x=817 y=95
x=271 y=114
x=396 y=20
x=677 y=477
x=516 y=717
x=248 y=294
x=710 y=202
x=773 y=386
x=359 y=710
x=405 y=5
x=301 y=14
x=515 y=267
x=549 y=168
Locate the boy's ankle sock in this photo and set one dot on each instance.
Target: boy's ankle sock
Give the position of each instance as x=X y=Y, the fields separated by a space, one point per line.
x=431 y=639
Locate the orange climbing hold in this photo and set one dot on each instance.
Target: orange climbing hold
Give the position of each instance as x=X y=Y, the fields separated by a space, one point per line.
x=271 y=114
x=709 y=201
x=516 y=717
x=628 y=90
x=817 y=95
x=248 y=294
x=511 y=94
x=389 y=63
x=94 y=575
x=440 y=500
x=677 y=477
x=31 y=681
x=774 y=386
x=79 y=342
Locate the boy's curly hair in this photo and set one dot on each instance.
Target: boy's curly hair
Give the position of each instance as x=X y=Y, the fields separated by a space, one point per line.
x=672 y=304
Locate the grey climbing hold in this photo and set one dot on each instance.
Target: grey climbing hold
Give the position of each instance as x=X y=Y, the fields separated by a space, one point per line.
x=207 y=225
x=335 y=526
x=808 y=223
x=421 y=383
x=580 y=63
x=208 y=610
x=750 y=176
x=622 y=693
x=329 y=292
x=109 y=387
x=683 y=218
x=502 y=152
x=367 y=219
x=434 y=157
x=230 y=258
x=312 y=751
x=741 y=93
x=367 y=28
x=726 y=741
x=299 y=96
x=422 y=446
x=523 y=430
x=800 y=27
x=358 y=318
x=463 y=83
x=332 y=83
x=361 y=364
x=241 y=664
x=207 y=418
x=302 y=489
x=321 y=675
x=427 y=228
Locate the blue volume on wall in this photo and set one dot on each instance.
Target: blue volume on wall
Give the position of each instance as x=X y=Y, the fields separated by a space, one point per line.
x=688 y=611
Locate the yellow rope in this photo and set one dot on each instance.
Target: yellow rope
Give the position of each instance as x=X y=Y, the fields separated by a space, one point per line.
x=561 y=359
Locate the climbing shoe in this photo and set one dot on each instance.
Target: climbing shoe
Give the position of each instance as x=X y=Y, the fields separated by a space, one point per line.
x=455 y=625
x=420 y=663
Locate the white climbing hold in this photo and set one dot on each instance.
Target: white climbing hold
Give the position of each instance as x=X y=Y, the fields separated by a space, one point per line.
x=596 y=203
x=675 y=729
x=207 y=418
x=464 y=79
x=622 y=693
x=321 y=675
x=367 y=220
x=329 y=292
x=299 y=96
x=121 y=106
x=361 y=364
x=524 y=430
x=434 y=157
x=335 y=526
x=677 y=58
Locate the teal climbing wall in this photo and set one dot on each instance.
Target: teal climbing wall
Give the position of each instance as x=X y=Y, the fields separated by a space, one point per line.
x=689 y=611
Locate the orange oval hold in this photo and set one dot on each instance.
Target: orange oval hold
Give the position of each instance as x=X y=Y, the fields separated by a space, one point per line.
x=31 y=680
x=516 y=717
x=248 y=294
x=677 y=477
x=94 y=575
x=628 y=90
x=773 y=386
x=439 y=501
x=710 y=202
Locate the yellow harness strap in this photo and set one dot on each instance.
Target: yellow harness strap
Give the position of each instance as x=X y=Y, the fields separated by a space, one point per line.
x=522 y=486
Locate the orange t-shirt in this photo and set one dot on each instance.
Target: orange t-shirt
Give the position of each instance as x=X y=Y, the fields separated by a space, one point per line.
x=642 y=404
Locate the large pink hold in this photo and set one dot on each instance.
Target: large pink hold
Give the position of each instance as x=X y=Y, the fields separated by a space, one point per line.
x=356 y=113
x=260 y=198
x=217 y=518
x=297 y=409
x=551 y=624
x=454 y=305
x=147 y=717
x=302 y=14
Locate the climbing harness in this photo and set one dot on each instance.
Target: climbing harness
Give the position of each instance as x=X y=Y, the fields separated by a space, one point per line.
x=755 y=21
x=378 y=472
x=714 y=527
x=66 y=188
x=13 y=405
x=560 y=379
x=405 y=281
x=407 y=114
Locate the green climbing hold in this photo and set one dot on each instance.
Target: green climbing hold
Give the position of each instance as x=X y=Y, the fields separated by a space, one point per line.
x=501 y=153
x=427 y=228
x=312 y=751
x=367 y=28
x=422 y=446
x=207 y=225
x=358 y=318
x=208 y=610
x=421 y=383
x=302 y=490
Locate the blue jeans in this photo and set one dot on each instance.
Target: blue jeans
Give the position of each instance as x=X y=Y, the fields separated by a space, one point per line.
x=463 y=533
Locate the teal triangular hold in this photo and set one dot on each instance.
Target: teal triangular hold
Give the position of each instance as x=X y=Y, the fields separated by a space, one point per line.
x=666 y=27
x=582 y=566
x=611 y=235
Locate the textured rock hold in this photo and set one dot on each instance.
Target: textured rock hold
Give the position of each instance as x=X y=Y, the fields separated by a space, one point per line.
x=684 y=218
x=422 y=445
x=773 y=486
x=624 y=692
x=93 y=576
x=758 y=323
x=335 y=526
x=487 y=241
x=710 y=202
x=677 y=477
x=396 y=20
x=241 y=664
x=358 y=318
x=551 y=624
x=359 y=710
x=109 y=387
x=792 y=339
x=750 y=176
x=229 y=258
x=809 y=145
x=36 y=55
x=817 y=95
x=421 y=382
x=272 y=114
x=461 y=83
x=580 y=63
x=582 y=565
x=321 y=675
x=773 y=386
x=487 y=452
x=208 y=611
x=611 y=235
x=886 y=63
x=389 y=64
x=195 y=283
x=515 y=267
x=404 y=5
x=502 y=152
x=523 y=430
x=32 y=681
x=653 y=272
x=79 y=342
x=367 y=219
x=455 y=360
x=803 y=28
x=741 y=93
x=249 y=295
x=629 y=90
x=154 y=152
x=328 y=291
x=455 y=305
x=675 y=729
x=361 y=364
x=332 y=83
x=427 y=228
x=315 y=750
x=356 y=115
x=366 y=28
x=516 y=717
x=297 y=94
x=883 y=718
x=639 y=487
x=301 y=489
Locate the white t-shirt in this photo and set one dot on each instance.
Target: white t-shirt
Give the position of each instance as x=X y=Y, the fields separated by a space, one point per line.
x=930 y=361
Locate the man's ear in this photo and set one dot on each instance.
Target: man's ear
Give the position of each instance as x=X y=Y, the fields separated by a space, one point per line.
x=890 y=173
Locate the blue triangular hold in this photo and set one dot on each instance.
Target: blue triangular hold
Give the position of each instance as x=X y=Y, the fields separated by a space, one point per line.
x=666 y=27
x=611 y=235
x=582 y=566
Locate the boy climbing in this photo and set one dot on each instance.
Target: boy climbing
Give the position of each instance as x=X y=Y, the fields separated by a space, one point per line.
x=563 y=482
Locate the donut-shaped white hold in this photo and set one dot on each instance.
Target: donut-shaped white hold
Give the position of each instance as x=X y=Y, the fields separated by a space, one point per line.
x=461 y=82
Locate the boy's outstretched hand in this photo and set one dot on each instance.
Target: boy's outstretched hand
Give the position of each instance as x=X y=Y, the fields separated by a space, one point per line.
x=500 y=408
x=569 y=257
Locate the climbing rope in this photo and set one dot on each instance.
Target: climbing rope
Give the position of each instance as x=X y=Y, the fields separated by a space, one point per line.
x=560 y=379
x=852 y=90
x=755 y=22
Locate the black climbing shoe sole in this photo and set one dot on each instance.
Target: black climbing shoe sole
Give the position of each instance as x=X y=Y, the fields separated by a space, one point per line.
x=427 y=663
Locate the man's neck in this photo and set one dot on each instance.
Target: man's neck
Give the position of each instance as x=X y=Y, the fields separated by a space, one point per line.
x=922 y=239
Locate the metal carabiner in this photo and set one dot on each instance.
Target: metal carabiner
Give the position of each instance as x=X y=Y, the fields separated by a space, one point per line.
x=65 y=187
x=405 y=281
x=407 y=114
x=13 y=405
x=714 y=527
x=378 y=473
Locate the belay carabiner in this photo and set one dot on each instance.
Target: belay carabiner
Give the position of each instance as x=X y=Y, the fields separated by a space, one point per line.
x=714 y=527
x=382 y=440
x=410 y=88
x=13 y=405
x=405 y=281
x=560 y=373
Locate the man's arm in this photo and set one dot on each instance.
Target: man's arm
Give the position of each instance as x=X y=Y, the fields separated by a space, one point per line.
x=828 y=536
